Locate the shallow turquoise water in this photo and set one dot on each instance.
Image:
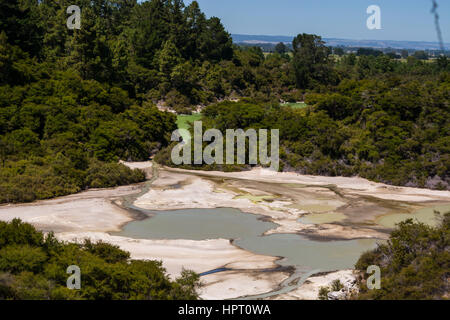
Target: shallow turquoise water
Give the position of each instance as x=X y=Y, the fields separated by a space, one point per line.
x=246 y=229
x=424 y=215
x=197 y=224
x=308 y=254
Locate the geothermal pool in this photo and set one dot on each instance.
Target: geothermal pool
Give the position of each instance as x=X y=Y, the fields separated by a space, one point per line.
x=246 y=231
x=424 y=215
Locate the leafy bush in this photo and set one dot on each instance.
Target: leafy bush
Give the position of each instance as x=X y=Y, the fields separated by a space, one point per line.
x=33 y=266
x=109 y=253
x=16 y=259
x=18 y=233
x=101 y=175
x=44 y=178
x=414 y=264
x=336 y=285
x=323 y=293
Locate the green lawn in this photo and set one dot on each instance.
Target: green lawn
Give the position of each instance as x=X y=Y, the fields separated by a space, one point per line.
x=295 y=105
x=184 y=121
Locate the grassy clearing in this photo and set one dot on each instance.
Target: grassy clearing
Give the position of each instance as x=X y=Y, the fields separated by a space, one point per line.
x=295 y=105
x=184 y=121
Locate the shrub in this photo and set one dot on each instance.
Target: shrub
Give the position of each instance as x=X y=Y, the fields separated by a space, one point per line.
x=18 y=233
x=336 y=285
x=15 y=259
x=323 y=293
x=104 y=175
x=35 y=268
x=106 y=251
x=415 y=263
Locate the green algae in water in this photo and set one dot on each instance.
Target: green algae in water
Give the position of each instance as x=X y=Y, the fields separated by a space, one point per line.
x=247 y=230
x=255 y=199
x=316 y=208
x=424 y=215
x=319 y=218
x=197 y=224
x=302 y=252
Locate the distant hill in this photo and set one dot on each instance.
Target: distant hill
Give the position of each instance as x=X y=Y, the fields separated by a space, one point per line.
x=382 y=44
x=244 y=38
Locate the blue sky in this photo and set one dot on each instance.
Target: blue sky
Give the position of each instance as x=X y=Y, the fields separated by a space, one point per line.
x=400 y=19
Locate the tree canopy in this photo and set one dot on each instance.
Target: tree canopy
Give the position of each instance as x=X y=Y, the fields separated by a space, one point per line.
x=414 y=263
x=73 y=101
x=33 y=267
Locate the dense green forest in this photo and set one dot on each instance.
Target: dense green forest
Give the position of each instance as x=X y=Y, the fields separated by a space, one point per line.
x=33 y=266
x=74 y=102
x=414 y=263
x=369 y=115
x=391 y=130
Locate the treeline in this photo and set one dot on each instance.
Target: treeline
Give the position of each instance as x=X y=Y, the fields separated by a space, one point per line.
x=58 y=134
x=70 y=106
x=156 y=50
x=33 y=267
x=368 y=115
x=414 y=263
x=392 y=129
x=73 y=100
